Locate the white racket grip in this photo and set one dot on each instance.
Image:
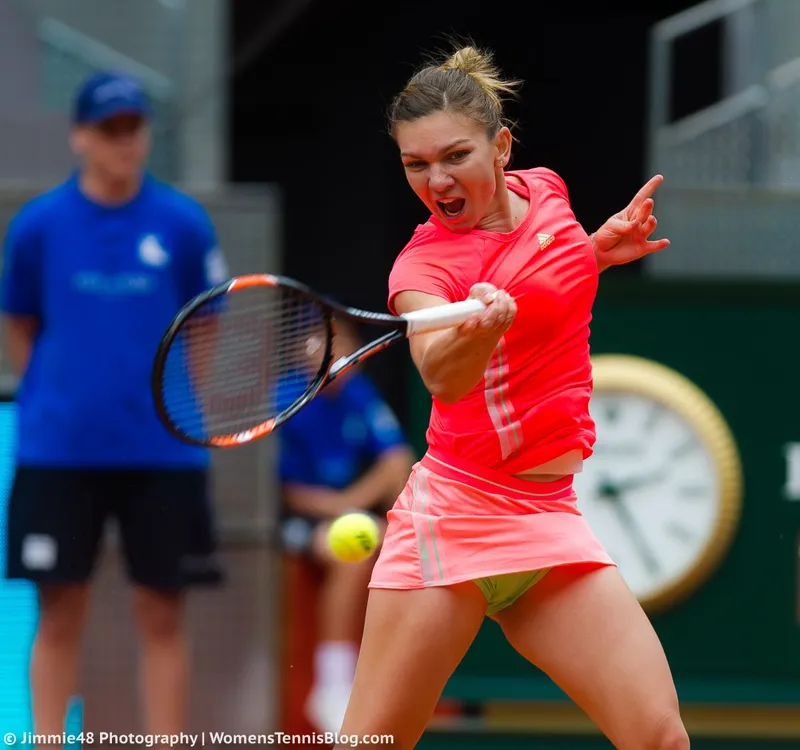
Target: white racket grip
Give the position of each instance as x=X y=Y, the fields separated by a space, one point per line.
x=442 y=316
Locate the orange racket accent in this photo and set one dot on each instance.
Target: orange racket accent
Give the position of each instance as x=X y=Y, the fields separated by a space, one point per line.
x=228 y=441
x=253 y=280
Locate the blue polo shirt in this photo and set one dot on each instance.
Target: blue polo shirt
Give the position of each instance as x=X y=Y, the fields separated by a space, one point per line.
x=338 y=436
x=104 y=283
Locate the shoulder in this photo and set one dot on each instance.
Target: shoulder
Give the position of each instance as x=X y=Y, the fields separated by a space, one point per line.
x=543 y=178
x=38 y=212
x=179 y=207
x=362 y=390
x=365 y=397
x=436 y=247
x=437 y=262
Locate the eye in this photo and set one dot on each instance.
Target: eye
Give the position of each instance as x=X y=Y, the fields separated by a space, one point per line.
x=458 y=156
x=414 y=165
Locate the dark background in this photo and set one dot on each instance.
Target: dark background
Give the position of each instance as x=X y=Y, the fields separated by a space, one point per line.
x=308 y=114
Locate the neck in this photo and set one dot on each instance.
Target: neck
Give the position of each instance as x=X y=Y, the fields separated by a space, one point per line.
x=109 y=192
x=502 y=215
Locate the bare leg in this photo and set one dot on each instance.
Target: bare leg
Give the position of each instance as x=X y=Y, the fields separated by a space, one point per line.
x=55 y=654
x=585 y=629
x=164 y=659
x=342 y=608
x=412 y=643
x=344 y=592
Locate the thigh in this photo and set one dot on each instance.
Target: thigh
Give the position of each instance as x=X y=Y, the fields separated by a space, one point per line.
x=413 y=641
x=54 y=525
x=167 y=528
x=585 y=629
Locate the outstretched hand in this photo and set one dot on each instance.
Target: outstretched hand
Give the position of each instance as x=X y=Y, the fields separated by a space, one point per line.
x=625 y=237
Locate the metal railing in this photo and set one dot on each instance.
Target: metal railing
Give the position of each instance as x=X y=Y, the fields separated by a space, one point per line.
x=742 y=138
x=732 y=192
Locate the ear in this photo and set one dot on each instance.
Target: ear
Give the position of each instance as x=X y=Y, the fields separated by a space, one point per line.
x=502 y=144
x=78 y=141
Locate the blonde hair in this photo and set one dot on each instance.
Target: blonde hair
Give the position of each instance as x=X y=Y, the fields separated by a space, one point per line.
x=466 y=82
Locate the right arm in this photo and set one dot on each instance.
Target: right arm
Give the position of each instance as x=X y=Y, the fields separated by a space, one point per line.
x=20 y=293
x=320 y=502
x=19 y=333
x=452 y=362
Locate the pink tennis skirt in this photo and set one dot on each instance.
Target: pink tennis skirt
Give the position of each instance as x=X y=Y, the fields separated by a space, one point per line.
x=458 y=522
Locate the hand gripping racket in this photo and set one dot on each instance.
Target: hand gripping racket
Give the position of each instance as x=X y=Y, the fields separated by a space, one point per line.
x=242 y=358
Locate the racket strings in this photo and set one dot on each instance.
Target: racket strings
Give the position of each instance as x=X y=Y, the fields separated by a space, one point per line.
x=241 y=359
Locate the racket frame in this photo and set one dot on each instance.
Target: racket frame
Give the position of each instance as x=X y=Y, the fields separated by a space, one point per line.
x=327 y=373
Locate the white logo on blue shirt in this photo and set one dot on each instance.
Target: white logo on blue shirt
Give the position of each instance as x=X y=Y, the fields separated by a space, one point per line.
x=151 y=253
x=216 y=267
x=92 y=282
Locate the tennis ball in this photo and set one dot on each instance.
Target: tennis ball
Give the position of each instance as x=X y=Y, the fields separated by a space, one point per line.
x=353 y=537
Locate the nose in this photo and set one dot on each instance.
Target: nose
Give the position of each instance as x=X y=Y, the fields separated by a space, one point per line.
x=439 y=179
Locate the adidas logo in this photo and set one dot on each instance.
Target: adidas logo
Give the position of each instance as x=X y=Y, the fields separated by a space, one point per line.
x=545 y=240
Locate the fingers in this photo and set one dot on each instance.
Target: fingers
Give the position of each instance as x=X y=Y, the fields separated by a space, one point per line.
x=483 y=292
x=646 y=191
x=500 y=312
x=646 y=210
x=648 y=227
x=653 y=246
x=501 y=309
x=618 y=225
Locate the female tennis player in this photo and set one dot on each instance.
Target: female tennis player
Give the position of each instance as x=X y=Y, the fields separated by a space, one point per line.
x=488 y=522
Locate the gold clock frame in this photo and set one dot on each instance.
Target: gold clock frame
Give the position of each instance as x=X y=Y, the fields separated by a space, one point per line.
x=630 y=374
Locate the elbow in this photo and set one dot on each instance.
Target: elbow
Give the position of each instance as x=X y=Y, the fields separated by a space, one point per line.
x=446 y=393
x=448 y=379
x=448 y=397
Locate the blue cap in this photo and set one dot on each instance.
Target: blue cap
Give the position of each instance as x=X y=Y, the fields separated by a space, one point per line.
x=106 y=95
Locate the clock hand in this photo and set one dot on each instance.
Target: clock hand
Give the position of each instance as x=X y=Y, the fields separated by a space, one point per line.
x=609 y=491
x=629 y=522
x=635 y=482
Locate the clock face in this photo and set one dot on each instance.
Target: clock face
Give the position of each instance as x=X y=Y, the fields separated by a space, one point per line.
x=651 y=492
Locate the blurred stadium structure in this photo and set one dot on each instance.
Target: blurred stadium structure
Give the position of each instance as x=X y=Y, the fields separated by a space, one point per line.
x=732 y=194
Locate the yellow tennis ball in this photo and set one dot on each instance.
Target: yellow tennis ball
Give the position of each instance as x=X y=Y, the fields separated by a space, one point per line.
x=353 y=537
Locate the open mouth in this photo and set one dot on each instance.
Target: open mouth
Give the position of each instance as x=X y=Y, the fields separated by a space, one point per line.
x=451 y=208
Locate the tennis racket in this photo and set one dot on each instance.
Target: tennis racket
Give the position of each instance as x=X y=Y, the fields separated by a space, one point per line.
x=242 y=358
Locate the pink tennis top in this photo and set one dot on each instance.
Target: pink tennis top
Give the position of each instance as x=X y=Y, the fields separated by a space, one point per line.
x=532 y=404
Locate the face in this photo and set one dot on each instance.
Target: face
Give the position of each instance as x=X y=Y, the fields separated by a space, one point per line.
x=453 y=167
x=117 y=148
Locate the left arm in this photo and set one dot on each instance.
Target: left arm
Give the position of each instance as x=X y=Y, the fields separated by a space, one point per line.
x=379 y=486
x=203 y=263
x=383 y=481
x=203 y=267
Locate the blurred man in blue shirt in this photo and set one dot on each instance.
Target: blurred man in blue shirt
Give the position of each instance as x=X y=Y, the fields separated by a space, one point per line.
x=344 y=451
x=93 y=272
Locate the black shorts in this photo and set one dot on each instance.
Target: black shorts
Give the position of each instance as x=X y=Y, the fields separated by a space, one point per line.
x=56 y=519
